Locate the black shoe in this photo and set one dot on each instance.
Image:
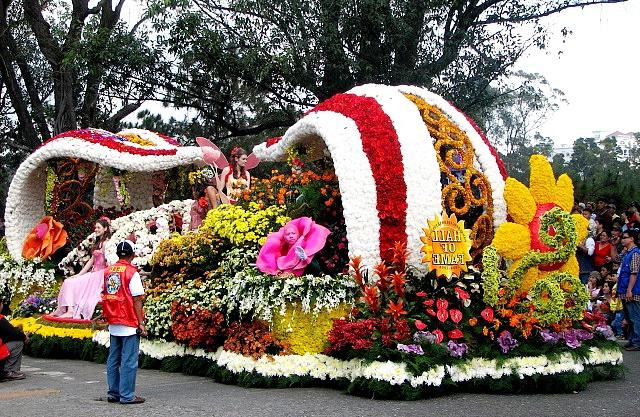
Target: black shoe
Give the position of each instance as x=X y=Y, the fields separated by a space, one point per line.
x=136 y=400
x=113 y=400
x=632 y=348
x=13 y=376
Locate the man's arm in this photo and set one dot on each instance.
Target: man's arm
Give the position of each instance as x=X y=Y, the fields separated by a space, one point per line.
x=137 y=306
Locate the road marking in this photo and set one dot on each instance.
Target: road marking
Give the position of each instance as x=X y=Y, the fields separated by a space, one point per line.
x=29 y=369
x=68 y=378
x=50 y=373
x=28 y=393
x=92 y=382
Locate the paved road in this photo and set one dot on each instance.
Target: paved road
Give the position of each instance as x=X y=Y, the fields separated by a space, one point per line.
x=69 y=388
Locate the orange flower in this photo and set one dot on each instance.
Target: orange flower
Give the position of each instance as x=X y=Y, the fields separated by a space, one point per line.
x=396 y=309
x=46 y=238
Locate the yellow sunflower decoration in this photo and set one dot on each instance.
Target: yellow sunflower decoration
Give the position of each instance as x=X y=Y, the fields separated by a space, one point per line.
x=539 y=245
x=541 y=224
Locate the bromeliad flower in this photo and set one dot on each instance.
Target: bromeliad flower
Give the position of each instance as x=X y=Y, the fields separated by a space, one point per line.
x=535 y=228
x=396 y=309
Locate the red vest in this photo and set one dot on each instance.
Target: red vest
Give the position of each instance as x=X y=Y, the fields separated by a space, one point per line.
x=117 y=302
x=4 y=350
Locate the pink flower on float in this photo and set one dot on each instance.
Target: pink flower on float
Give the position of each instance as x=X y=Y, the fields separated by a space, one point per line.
x=292 y=248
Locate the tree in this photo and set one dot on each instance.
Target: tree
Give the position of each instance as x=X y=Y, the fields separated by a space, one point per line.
x=519 y=108
x=251 y=65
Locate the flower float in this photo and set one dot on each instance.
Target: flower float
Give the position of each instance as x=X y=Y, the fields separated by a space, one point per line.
x=291 y=249
x=47 y=237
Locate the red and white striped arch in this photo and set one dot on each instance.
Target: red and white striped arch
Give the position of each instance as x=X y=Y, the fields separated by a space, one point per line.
x=386 y=164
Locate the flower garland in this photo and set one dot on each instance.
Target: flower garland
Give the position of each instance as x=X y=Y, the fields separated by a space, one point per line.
x=324 y=367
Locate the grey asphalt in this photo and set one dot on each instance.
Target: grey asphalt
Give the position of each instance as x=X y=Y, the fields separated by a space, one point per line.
x=69 y=388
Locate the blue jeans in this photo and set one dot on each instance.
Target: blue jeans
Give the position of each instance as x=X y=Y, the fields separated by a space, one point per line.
x=122 y=366
x=616 y=323
x=633 y=315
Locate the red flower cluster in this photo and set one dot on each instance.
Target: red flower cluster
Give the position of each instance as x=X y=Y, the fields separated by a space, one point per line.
x=197 y=327
x=252 y=339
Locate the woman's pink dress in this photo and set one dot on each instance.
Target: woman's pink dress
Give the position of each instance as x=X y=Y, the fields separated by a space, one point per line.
x=82 y=294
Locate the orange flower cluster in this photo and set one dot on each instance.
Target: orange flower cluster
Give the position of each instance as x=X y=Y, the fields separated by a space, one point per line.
x=252 y=339
x=281 y=189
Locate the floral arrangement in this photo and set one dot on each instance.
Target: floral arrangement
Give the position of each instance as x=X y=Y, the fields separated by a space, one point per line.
x=252 y=339
x=243 y=226
x=197 y=327
x=36 y=304
x=22 y=277
x=135 y=224
x=541 y=248
x=382 y=151
x=46 y=237
x=26 y=196
x=33 y=325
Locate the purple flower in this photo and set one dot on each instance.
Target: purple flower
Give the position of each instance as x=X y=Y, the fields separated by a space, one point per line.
x=424 y=337
x=457 y=350
x=415 y=349
x=606 y=331
x=506 y=341
x=549 y=337
x=582 y=334
x=571 y=339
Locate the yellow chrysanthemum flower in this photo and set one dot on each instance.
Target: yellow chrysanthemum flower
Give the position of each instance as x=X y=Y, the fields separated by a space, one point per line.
x=527 y=206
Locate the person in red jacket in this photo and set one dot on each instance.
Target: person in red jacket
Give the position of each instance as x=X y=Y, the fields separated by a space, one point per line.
x=122 y=308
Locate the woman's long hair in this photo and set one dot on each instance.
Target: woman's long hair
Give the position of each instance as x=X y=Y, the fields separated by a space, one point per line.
x=104 y=222
x=238 y=171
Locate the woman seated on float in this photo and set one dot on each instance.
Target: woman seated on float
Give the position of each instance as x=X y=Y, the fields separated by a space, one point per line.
x=236 y=177
x=80 y=293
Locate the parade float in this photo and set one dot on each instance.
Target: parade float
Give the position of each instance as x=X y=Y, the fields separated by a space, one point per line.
x=389 y=255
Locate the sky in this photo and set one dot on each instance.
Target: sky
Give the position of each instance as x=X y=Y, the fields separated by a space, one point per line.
x=598 y=70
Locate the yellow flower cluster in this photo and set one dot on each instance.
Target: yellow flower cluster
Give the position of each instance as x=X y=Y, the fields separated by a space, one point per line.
x=133 y=138
x=305 y=332
x=192 y=248
x=241 y=225
x=30 y=325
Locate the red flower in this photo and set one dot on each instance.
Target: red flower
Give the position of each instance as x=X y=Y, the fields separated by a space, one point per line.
x=420 y=325
x=462 y=294
x=442 y=315
x=439 y=335
x=455 y=334
x=371 y=298
x=428 y=303
x=397 y=280
x=203 y=202
x=456 y=315
x=422 y=294
x=442 y=304
x=396 y=309
x=487 y=314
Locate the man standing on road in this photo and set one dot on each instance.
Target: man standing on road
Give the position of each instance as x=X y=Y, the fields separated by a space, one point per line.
x=122 y=308
x=629 y=286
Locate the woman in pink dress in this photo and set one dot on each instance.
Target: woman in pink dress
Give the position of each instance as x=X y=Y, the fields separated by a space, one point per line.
x=80 y=293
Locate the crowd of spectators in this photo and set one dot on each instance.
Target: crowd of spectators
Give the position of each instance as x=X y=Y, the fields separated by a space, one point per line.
x=609 y=261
